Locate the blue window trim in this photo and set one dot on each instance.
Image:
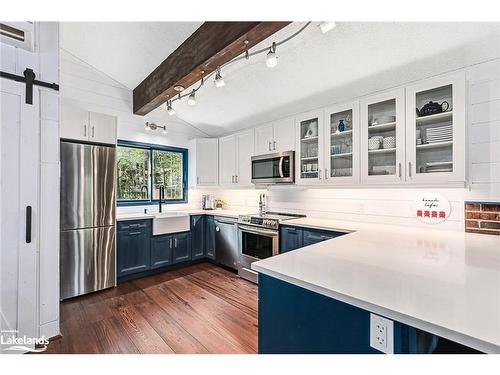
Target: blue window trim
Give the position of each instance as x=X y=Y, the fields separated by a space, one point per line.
x=151 y=147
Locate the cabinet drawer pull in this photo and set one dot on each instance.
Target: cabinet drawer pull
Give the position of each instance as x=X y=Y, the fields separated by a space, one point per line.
x=175 y=242
x=170 y=243
x=134 y=233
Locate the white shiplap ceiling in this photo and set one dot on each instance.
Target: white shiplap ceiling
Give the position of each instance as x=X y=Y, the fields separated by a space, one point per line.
x=354 y=59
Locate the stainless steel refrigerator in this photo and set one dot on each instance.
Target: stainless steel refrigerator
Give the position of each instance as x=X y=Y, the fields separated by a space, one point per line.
x=88 y=185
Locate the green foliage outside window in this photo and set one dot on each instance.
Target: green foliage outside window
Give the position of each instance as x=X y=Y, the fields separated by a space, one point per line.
x=141 y=171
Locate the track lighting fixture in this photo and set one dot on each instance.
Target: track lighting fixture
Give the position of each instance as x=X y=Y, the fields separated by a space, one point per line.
x=219 y=81
x=170 y=110
x=326 y=26
x=272 y=59
x=192 y=98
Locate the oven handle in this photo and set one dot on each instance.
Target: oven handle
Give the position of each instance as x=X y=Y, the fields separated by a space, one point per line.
x=258 y=231
x=281 y=166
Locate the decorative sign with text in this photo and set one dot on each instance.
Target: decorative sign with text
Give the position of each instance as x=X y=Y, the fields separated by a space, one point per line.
x=432 y=208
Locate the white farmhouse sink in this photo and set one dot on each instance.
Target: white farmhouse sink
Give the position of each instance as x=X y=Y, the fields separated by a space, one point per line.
x=170 y=222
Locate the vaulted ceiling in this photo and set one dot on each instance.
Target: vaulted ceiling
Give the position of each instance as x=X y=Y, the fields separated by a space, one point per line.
x=314 y=69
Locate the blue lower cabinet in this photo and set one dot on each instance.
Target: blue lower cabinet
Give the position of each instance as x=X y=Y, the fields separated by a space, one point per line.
x=198 y=235
x=133 y=247
x=181 y=247
x=210 y=238
x=294 y=320
x=290 y=238
x=161 y=251
x=312 y=236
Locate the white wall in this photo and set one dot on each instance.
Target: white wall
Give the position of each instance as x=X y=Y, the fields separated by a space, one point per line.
x=86 y=87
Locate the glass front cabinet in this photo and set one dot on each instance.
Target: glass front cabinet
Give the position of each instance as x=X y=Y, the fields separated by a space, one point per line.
x=341 y=160
x=410 y=135
x=309 y=148
x=382 y=143
x=435 y=130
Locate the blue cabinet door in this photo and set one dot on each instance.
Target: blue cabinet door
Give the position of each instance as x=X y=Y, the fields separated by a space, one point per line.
x=290 y=238
x=210 y=238
x=161 y=251
x=198 y=230
x=133 y=247
x=312 y=236
x=181 y=247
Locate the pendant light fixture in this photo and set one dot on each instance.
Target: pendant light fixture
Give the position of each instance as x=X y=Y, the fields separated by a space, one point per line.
x=272 y=59
x=192 y=98
x=219 y=81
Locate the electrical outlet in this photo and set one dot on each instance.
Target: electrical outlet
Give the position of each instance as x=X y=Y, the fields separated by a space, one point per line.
x=381 y=334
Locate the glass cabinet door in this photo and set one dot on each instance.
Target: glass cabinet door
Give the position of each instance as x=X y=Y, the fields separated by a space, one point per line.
x=383 y=145
x=309 y=148
x=341 y=146
x=435 y=122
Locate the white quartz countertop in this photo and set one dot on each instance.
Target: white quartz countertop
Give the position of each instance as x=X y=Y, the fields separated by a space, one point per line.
x=223 y=212
x=443 y=282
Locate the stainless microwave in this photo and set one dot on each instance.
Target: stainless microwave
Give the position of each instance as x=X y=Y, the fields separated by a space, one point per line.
x=274 y=168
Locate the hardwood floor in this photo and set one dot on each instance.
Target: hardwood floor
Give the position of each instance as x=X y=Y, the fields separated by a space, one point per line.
x=198 y=309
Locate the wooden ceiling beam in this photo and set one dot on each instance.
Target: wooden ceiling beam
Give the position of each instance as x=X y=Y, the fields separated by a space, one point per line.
x=210 y=46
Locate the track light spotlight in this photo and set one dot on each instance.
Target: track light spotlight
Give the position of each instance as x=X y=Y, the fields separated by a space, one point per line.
x=192 y=98
x=272 y=59
x=170 y=110
x=326 y=26
x=219 y=81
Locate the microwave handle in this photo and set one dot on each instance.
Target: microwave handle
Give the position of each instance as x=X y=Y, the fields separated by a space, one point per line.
x=281 y=166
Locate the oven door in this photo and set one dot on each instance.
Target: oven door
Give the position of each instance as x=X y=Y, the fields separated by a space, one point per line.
x=255 y=244
x=273 y=168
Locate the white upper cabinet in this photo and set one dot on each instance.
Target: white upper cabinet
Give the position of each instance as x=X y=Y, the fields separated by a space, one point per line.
x=435 y=130
x=235 y=155
x=82 y=125
x=74 y=122
x=341 y=140
x=382 y=123
x=284 y=135
x=264 y=139
x=204 y=162
x=244 y=152
x=309 y=146
x=278 y=136
x=102 y=128
x=227 y=160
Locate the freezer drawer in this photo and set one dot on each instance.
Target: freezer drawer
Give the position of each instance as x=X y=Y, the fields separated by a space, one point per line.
x=87 y=261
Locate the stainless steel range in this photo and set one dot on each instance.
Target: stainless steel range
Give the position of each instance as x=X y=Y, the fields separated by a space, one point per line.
x=258 y=238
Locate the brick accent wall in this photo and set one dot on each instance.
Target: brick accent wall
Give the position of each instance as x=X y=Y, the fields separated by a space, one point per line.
x=482 y=217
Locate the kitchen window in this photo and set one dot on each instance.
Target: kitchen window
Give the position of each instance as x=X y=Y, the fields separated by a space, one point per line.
x=142 y=168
